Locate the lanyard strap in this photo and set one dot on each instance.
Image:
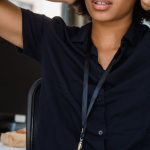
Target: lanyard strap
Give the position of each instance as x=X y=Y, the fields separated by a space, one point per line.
x=86 y=111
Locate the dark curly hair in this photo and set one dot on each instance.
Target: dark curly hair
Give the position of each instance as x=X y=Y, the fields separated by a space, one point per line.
x=139 y=13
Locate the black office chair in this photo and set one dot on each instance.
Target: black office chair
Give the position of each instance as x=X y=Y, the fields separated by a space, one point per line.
x=32 y=113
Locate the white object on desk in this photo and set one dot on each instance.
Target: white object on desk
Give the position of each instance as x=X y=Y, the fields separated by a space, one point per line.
x=20 y=118
x=3 y=147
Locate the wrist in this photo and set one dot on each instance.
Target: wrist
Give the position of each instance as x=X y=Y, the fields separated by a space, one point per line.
x=145 y=4
x=69 y=2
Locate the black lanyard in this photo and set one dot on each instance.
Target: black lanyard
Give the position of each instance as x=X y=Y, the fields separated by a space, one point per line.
x=86 y=111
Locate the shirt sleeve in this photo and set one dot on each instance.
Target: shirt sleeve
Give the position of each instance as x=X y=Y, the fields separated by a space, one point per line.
x=34 y=27
x=31 y=31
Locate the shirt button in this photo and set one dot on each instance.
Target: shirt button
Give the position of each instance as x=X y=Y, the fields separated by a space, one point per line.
x=100 y=132
x=100 y=100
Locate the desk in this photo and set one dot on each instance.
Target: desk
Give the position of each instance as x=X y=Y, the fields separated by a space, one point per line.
x=2 y=147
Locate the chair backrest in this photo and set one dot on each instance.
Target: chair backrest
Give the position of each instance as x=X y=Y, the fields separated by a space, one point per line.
x=32 y=113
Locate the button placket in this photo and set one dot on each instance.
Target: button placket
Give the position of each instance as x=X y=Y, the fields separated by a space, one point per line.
x=100 y=98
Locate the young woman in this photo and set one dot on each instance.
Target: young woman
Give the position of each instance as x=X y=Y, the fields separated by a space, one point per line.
x=95 y=92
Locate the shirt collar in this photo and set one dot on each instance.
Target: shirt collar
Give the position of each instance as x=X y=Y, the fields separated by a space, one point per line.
x=132 y=35
x=82 y=34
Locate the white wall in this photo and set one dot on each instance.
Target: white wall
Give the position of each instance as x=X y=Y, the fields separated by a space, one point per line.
x=51 y=9
x=48 y=8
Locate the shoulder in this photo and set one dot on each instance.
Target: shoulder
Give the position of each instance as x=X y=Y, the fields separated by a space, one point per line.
x=54 y=27
x=146 y=31
x=59 y=27
x=145 y=28
x=143 y=33
x=143 y=36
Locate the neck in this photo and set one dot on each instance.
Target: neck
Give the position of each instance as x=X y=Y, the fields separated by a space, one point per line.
x=108 y=35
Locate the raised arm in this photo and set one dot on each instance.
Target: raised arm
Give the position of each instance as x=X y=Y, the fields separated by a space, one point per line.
x=11 y=23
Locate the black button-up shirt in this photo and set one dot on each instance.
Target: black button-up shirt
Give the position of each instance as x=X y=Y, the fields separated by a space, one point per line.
x=120 y=118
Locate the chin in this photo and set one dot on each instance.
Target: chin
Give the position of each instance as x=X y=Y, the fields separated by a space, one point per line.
x=102 y=17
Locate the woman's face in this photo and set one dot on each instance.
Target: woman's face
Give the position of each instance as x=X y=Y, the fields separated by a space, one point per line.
x=109 y=10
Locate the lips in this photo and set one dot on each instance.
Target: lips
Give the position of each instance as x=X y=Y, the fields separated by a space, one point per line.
x=101 y=5
x=102 y=2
